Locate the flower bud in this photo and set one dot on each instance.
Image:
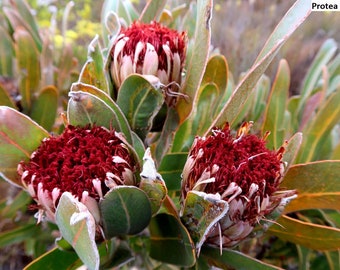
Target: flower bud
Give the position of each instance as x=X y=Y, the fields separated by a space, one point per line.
x=242 y=172
x=151 y=50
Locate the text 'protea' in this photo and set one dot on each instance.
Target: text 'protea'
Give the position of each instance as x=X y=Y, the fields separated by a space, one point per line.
x=238 y=179
x=152 y=50
x=85 y=161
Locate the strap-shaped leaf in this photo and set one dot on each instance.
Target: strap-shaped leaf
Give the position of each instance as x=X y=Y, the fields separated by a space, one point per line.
x=319 y=128
x=19 y=138
x=233 y=259
x=170 y=241
x=152 y=11
x=309 y=235
x=93 y=71
x=27 y=57
x=78 y=227
x=6 y=54
x=317 y=184
x=44 y=109
x=171 y=169
x=274 y=118
x=55 y=259
x=5 y=99
x=290 y=22
x=198 y=57
x=199 y=119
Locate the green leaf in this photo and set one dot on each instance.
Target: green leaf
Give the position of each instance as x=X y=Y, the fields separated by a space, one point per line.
x=199 y=119
x=232 y=259
x=19 y=137
x=27 y=57
x=217 y=72
x=119 y=121
x=44 y=108
x=19 y=203
x=55 y=259
x=319 y=128
x=92 y=72
x=292 y=149
x=289 y=23
x=306 y=234
x=198 y=58
x=125 y=210
x=5 y=99
x=324 y=55
x=166 y=138
x=152 y=183
x=201 y=212
x=78 y=227
x=17 y=235
x=317 y=185
x=122 y=254
x=277 y=103
x=6 y=54
x=65 y=67
x=152 y=11
x=333 y=258
x=29 y=20
x=170 y=241
x=171 y=168
x=140 y=102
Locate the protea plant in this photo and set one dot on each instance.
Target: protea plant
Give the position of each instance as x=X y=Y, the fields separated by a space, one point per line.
x=239 y=170
x=194 y=192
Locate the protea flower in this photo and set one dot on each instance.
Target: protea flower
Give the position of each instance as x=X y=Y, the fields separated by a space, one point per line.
x=241 y=171
x=152 y=50
x=87 y=162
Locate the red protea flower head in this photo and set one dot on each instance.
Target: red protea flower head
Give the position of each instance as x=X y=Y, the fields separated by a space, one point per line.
x=152 y=50
x=241 y=171
x=85 y=161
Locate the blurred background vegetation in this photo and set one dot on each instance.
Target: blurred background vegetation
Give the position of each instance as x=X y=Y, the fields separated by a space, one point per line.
x=239 y=30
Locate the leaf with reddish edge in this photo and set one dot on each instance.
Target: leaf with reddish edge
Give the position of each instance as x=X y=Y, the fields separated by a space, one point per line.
x=319 y=128
x=152 y=11
x=5 y=99
x=19 y=138
x=92 y=72
x=306 y=234
x=27 y=57
x=78 y=227
x=292 y=148
x=290 y=22
x=277 y=104
x=44 y=109
x=198 y=58
x=317 y=184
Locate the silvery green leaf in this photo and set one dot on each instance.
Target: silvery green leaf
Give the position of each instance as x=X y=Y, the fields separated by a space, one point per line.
x=77 y=226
